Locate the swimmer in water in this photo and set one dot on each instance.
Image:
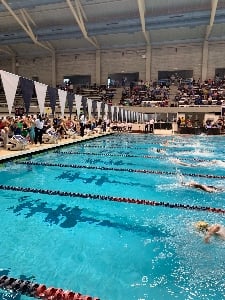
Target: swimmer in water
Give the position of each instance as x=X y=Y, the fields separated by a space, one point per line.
x=159 y=150
x=204 y=187
x=177 y=161
x=217 y=230
x=211 y=230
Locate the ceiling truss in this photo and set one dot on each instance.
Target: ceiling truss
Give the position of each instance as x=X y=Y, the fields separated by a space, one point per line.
x=87 y=25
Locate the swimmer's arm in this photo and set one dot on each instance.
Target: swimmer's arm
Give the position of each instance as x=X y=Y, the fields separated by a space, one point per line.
x=207 y=237
x=212 y=230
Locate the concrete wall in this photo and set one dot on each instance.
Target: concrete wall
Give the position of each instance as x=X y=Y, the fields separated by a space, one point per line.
x=167 y=58
x=6 y=64
x=122 y=60
x=216 y=58
x=37 y=66
x=75 y=64
x=183 y=57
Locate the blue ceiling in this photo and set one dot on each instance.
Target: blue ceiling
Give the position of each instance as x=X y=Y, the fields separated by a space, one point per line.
x=116 y=25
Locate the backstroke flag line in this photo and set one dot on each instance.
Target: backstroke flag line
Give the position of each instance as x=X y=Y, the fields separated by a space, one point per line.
x=62 y=100
x=78 y=99
x=41 y=94
x=10 y=84
x=89 y=103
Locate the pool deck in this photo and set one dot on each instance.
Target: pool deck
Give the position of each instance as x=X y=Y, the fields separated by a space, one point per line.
x=10 y=154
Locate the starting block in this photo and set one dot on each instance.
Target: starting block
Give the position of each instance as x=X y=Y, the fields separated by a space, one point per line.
x=17 y=143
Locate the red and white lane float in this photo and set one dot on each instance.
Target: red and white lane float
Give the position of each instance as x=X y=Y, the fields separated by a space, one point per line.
x=40 y=291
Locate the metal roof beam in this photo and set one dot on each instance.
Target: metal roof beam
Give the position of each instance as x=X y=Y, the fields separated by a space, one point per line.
x=7 y=50
x=29 y=17
x=26 y=27
x=141 y=7
x=212 y=19
x=78 y=15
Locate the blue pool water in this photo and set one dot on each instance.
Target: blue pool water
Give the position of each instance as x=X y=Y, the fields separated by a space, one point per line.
x=116 y=251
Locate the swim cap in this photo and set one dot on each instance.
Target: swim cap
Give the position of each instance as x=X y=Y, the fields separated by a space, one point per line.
x=201 y=225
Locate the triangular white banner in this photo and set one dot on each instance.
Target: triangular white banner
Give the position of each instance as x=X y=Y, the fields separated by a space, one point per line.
x=117 y=113
x=121 y=112
x=62 y=100
x=41 y=94
x=10 y=83
x=112 y=112
x=78 y=99
x=106 y=111
x=99 y=104
x=89 y=103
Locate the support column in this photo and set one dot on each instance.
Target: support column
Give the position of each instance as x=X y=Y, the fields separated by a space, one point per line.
x=14 y=64
x=98 y=67
x=205 y=52
x=53 y=69
x=148 y=63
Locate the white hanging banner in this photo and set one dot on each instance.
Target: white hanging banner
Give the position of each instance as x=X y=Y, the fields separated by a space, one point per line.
x=117 y=113
x=106 y=111
x=78 y=99
x=112 y=113
x=99 y=104
x=121 y=112
x=126 y=115
x=62 y=100
x=89 y=103
x=10 y=83
x=41 y=94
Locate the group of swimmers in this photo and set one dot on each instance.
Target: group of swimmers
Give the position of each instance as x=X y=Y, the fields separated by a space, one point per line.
x=192 y=184
x=202 y=226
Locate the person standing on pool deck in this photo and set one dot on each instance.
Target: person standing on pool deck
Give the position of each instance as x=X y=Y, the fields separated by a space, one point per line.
x=82 y=125
x=39 y=124
x=151 y=125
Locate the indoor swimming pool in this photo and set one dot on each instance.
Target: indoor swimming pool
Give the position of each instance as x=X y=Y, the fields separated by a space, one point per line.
x=114 y=218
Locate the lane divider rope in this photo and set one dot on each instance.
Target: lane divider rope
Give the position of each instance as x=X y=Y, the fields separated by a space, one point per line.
x=129 y=155
x=30 y=163
x=112 y=198
x=138 y=148
x=39 y=291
